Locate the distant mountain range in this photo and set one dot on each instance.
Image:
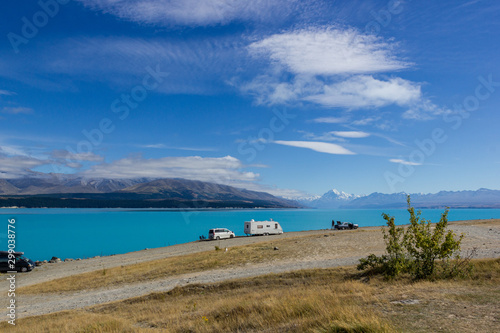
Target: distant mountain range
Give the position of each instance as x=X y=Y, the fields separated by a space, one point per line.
x=59 y=190
x=482 y=198
x=67 y=191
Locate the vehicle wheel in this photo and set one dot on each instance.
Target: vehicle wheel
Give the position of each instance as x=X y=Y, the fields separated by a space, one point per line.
x=232 y=236
x=24 y=269
x=218 y=238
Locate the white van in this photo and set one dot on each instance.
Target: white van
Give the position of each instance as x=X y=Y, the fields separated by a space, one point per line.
x=270 y=227
x=220 y=233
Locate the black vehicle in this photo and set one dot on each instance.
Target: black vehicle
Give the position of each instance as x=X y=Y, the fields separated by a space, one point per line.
x=345 y=225
x=22 y=264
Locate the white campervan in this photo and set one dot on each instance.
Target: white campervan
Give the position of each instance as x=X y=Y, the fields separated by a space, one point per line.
x=220 y=233
x=270 y=227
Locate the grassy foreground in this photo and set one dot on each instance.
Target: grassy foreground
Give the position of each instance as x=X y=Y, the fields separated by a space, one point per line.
x=328 y=300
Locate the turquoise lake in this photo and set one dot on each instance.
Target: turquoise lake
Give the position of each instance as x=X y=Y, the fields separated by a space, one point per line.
x=84 y=233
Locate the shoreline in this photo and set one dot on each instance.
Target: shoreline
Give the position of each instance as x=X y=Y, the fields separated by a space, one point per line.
x=68 y=259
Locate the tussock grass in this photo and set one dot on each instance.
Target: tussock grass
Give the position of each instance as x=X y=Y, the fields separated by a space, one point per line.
x=458 y=305
x=303 y=301
x=328 y=300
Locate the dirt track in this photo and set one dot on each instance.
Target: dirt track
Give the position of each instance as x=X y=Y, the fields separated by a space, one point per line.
x=344 y=248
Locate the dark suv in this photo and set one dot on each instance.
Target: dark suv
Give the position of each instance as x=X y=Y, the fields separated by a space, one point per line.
x=22 y=264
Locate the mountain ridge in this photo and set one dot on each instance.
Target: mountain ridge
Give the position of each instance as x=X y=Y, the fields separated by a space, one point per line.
x=131 y=193
x=334 y=199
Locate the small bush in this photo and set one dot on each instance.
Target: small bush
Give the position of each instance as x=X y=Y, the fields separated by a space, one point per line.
x=418 y=249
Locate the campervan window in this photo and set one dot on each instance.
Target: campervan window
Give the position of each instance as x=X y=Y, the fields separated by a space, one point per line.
x=260 y=226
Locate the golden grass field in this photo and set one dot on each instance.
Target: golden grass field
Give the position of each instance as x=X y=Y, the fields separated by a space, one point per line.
x=322 y=300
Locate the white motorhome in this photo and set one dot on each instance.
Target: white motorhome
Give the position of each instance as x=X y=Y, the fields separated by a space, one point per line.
x=270 y=227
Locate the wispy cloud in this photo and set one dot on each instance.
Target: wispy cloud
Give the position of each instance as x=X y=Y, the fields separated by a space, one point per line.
x=163 y=146
x=223 y=170
x=330 y=120
x=340 y=136
x=18 y=166
x=16 y=110
x=404 y=162
x=194 y=12
x=64 y=154
x=6 y=92
x=365 y=91
x=326 y=136
x=322 y=147
x=193 y=65
x=351 y=134
x=424 y=109
x=328 y=51
x=365 y=121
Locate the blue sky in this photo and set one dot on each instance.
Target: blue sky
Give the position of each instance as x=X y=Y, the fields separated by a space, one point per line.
x=290 y=97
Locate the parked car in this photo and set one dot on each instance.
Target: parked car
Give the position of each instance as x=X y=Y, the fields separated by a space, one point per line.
x=345 y=225
x=220 y=233
x=21 y=263
x=265 y=228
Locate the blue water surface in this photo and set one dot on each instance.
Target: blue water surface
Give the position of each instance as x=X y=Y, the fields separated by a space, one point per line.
x=84 y=233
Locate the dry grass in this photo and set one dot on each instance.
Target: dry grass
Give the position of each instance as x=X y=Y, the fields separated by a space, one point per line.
x=304 y=301
x=471 y=305
x=329 y=300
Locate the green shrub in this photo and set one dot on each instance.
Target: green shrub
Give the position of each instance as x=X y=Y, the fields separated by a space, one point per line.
x=417 y=249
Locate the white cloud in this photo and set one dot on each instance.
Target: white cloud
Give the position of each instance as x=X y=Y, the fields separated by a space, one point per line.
x=351 y=134
x=18 y=166
x=335 y=135
x=365 y=121
x=330 y=120
x=364 y=91
x=334 y=67
x=163 y=146
x=404 y=162
x=194 y=12
x=424 y=110
x=327 y=136
x=224 y=170
x=322 y=147
x=328 y=51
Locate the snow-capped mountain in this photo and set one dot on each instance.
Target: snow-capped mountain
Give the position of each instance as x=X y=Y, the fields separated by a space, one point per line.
x=482 y=198
x=331 y=199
